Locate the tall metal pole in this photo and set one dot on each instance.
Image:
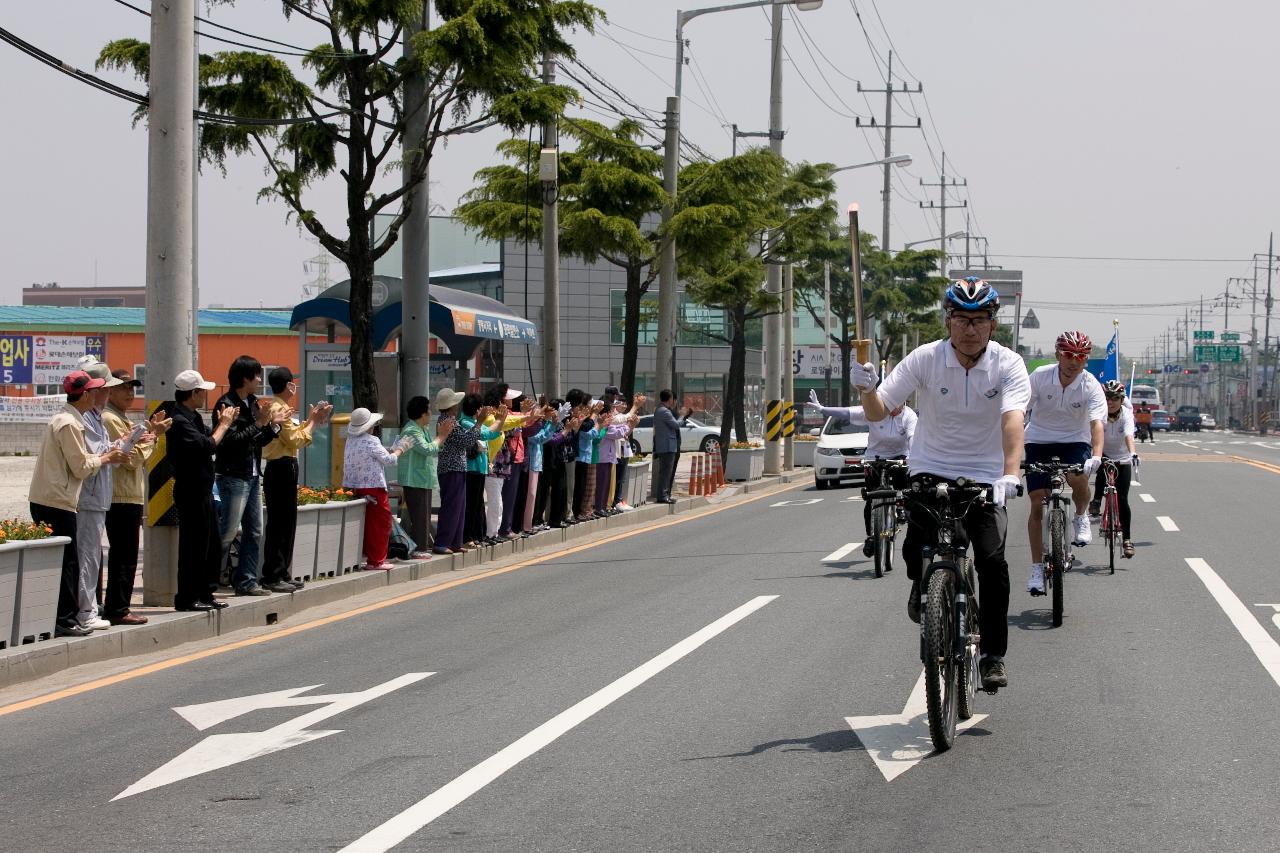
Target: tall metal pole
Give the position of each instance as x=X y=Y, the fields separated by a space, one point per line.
x=788 y=361
x=551 y=247
x=1267 y=385
x=942 y=202
x=773 y=322
x=170 y=309
x=667 y=268
x=826 y=326
x=886 y=193
x=415 y=238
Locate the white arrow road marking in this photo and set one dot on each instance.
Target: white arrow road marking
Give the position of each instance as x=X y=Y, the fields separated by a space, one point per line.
x=838 y=555
x=1276 y=608
x=1146 y=498
x=898 y=742
x=218 y=751
x=1167 y=523
x=852 y=498
x=1219 y=452
x=1262 y=643
x=799 y=502
x=423 y=812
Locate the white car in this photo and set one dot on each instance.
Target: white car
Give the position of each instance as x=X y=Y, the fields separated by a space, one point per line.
x=694 y=437
x=838 y=456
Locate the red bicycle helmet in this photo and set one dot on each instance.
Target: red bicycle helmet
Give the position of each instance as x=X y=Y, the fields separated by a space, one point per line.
x=1074 y=344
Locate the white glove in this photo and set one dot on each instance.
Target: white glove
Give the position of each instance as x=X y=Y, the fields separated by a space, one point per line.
x=1091 y=465
x=1004 y=488
x=813 y=400
x=864 y=376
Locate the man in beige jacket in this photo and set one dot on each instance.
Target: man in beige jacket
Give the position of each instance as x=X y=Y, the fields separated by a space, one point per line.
x=61 y=467
x=128 y=498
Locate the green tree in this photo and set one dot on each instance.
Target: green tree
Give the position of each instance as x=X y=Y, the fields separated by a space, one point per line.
x=753 y=200
x=478 y=65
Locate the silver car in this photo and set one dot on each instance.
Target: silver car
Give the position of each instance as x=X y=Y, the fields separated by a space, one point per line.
x=694 y=436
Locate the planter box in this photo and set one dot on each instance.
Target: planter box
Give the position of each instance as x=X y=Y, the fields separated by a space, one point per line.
x=802 y=453
x=352 y=535
x=38 y=583
x=10 y=566
x=305 y=539
x=638 y=482
x=745 y=464
x=328 y=539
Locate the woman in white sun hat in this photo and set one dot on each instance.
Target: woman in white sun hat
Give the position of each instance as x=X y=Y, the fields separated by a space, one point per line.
x=363 y=471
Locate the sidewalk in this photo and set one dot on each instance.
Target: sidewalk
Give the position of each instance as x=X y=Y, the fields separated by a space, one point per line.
x=168 y=629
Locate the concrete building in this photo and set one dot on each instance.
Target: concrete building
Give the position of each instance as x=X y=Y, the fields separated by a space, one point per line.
x=53 y=293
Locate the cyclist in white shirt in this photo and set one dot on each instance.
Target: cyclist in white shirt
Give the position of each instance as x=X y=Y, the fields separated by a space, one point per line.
x=1064 y=419
x=972 y=393
x=1118 y=447
x=886 y=439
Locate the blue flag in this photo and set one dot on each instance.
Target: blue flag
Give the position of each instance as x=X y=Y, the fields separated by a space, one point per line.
x=1107 y=368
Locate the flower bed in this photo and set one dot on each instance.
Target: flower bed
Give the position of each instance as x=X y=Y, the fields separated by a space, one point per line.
x=745 y=461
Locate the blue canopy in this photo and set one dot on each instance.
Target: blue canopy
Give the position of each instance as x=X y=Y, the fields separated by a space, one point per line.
x=462 y=320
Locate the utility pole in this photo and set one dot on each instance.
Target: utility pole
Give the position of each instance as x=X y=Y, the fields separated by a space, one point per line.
x=941 y=205
x=773 y=323
x=549 y=175
x=888 y=91
x=1266 y=338
x=826 y=325
x=743 y=134
x=415 y=306
x=170 y=317
x=663 y=361
x=788 y=360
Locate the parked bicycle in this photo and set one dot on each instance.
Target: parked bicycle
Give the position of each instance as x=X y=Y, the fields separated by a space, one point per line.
x=949 y=638
x=1057 y=544
x=886 y=510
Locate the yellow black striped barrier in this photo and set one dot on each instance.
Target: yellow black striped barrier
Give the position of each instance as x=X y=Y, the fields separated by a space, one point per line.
x=160 y=509
x=773 y=420
x=788 y=419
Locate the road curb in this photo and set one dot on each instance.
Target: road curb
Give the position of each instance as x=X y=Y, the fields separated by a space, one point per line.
x=170 y=629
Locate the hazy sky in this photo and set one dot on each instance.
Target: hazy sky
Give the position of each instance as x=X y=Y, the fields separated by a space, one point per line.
x=1136 y=129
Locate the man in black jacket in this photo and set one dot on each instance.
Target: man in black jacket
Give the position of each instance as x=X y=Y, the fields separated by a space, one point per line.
x=239 y=470
x=190 y=453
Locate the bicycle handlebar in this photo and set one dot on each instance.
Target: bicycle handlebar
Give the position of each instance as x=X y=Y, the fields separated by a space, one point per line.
x=882 y=493
x=1051 y=468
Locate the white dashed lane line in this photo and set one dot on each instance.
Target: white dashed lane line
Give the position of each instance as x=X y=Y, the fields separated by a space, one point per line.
x=839 y=554
x=1146 y=498
x=1167 y=523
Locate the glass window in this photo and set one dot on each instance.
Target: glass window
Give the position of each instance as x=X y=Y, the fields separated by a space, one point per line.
x=699 y=325
x=839 y=426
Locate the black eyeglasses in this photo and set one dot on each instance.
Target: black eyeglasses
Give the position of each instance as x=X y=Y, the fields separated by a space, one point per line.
x=972 y=322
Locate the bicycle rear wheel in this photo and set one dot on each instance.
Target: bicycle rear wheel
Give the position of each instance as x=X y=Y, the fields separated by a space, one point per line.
x=882 y=531
x=1111 y=526
x=1055 y=572
x=940 y=665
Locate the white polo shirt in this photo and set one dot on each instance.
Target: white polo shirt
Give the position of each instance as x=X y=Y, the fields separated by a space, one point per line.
x=1060 y=415
x=959 y=432
x=1114 y=446
x=888 y=438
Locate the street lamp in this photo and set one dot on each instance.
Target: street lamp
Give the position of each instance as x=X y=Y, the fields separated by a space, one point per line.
x=953 y=235
x=900 y=160
x=671 y=166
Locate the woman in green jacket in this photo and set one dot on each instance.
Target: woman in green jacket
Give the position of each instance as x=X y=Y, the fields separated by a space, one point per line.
x=417 y=475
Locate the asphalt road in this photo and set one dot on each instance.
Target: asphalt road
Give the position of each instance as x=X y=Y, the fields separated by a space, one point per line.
x=689 y=688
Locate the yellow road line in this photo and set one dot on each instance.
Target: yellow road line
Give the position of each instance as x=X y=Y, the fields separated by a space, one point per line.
x=1265 y=466
x=160 y=666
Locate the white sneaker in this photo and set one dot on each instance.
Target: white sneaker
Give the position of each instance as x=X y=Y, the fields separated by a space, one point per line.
x=1035 y=583
x=95 y=624
x=1084 y=533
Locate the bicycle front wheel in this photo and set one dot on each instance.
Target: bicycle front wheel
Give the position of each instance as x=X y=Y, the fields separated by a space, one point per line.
x=1056 y=571
x=1111 y=525
x=882 y=531
x=940 y=665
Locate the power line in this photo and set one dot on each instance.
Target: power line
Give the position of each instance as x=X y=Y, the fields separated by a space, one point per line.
x=621 y=43
x=805 y=40
x=638 y=33
x=295 y=49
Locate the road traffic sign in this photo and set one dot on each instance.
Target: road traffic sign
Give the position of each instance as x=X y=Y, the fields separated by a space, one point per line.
x=1229 y=353
x=1173 y=368
x=1202 y=335
x=1204 y=367
x=1206 y=352
x=1230 y=336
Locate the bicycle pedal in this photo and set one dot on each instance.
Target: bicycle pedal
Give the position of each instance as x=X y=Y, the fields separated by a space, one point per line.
x=1036 y=593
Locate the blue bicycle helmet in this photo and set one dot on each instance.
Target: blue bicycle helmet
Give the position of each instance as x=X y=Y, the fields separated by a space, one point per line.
x=972 y=294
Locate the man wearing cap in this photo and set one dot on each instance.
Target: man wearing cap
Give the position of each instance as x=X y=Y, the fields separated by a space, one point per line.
x=95 y=498
x=280 y=478
x=128 y=496
x=61 y=468
x=239 y=470
x=190 y=453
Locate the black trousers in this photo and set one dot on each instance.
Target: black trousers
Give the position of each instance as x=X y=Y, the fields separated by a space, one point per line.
x=280 y=493
x=199 y=547
x=1124 y=476
x=63 y=523
x=123 y=523
x=580 y=472
x=986 y=527
x=415 y=514
x=871 y=482
x=555 y=474
x=664 y=474
x=473 y=523
x=521 y=476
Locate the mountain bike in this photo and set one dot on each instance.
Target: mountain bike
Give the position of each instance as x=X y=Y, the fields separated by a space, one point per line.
x=1110 y=528
x=949 y=638
x=887 y=513
x=1057 y=544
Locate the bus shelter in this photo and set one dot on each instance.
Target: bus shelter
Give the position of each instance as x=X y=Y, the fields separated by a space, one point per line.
x=460 y=321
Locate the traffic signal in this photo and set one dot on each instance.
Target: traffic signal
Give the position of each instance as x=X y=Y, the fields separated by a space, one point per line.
x=1150 y=371
x=1186 y=372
